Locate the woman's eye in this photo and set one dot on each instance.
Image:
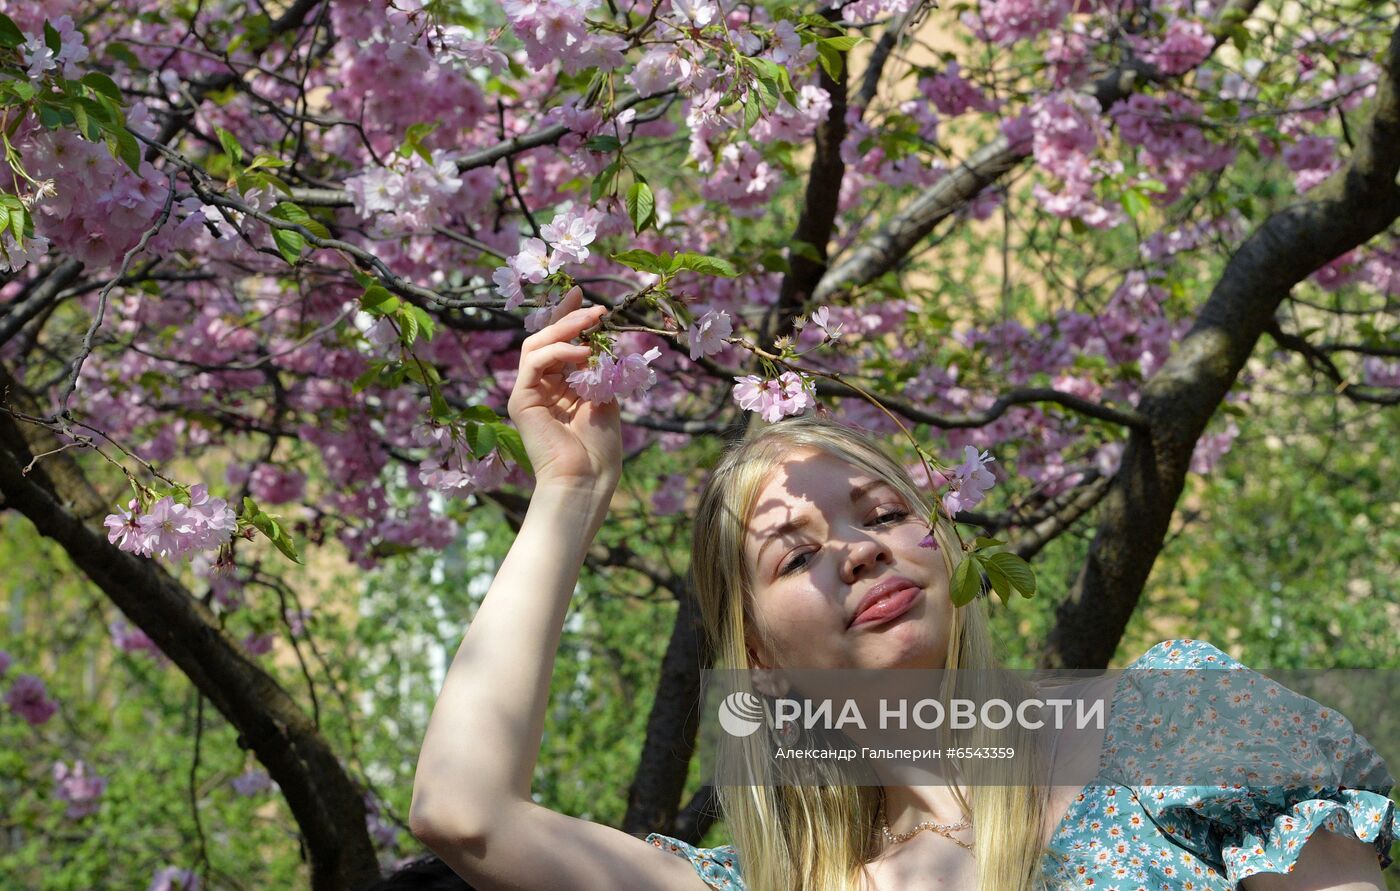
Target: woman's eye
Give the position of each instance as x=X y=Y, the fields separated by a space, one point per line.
x=892 y=516
x=793 y=564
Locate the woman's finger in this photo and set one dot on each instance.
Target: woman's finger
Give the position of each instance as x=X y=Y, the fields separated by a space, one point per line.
x=570 y=326
x=548 y=359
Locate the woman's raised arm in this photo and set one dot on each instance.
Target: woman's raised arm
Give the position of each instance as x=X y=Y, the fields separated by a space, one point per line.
x=471 y=792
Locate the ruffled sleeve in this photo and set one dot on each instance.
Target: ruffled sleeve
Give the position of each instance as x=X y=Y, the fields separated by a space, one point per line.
x=1238 y=769
x=718 y=867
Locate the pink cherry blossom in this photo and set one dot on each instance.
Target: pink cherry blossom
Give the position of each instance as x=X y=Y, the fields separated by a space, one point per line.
x=707 y=334
x=1211 y=447
x=5 y=662
x=669 y=497
x=79 y=788
x=258 y=644
x=1186 y=44
x=659 y=70
x=970 y=481
x=124 y=529
x=130 y=639
x=570 y=234
x=29 y=699
x=606 y=378
x=508 y=285
x=534 y=261
x=173 y=878
x=271 y=484
x=953 y=95
x=787 y=394
x=696 y=13
x=251 y=782
x=1008 y=21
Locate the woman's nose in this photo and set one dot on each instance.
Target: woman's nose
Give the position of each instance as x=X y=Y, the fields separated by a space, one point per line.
x=864 y=556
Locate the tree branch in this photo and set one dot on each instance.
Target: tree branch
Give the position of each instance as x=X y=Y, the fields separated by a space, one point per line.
x=324 y=800
x=1357 y=203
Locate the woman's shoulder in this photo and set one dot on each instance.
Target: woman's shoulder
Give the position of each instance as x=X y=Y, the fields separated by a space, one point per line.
x=718 y=867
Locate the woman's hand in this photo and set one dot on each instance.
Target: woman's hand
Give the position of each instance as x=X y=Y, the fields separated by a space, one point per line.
x=571 y=442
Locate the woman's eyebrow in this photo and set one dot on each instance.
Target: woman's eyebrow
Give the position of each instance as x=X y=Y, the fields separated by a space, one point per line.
x=793 y=525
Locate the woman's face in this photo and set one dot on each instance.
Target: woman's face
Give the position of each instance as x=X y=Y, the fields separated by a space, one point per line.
x=827 y=545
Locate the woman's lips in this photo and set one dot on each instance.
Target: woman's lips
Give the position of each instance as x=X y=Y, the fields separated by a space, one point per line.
x=892 y=605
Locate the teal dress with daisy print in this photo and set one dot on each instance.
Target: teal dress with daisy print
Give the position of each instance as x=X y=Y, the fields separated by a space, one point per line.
x=1127 y=837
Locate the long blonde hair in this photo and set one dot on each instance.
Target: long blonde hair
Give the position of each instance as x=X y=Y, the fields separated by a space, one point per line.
x=818 y=837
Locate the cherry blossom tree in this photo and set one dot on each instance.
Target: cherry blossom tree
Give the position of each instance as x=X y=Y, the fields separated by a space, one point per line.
x=264 y=272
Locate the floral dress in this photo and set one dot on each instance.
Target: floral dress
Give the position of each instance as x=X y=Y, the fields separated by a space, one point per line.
x=1118 y=836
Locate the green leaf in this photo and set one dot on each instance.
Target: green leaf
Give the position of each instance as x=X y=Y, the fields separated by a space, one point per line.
x=603 y=143
x=641 y=206
x=841 y=44
x=806 y=250
x=702 y=264
x=426 y=326
x=51 y=38
x=482 y=439
x=408 y=327
x=84 y=125
x=967 y=581
x=642 y=261
x=831 y=61
x=1018 y=571
x=481 y=414
x=1135 y=202
x=295 y=213
x=364 y=380
x=773 y=261
x=10 y=34
x=289 y=244
x=103 y=84
x=752 y=111
x=17 y=224
x=603 y=182
x=265 y=161
x=268 y=526
x=230 y=145
x=1000 y=582
x=439 y=408
x=128 y=150
x=378 y=301
x=509 y=439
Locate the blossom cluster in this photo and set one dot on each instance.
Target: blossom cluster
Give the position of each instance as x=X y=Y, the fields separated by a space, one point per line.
x=607 y=378
x=29 y=699
x=172 y=529
x=565 y=239
x=80 y=788
x=452 y=469
x=773 y=399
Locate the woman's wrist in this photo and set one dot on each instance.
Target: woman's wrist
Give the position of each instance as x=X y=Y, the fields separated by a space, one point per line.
x=585 y=501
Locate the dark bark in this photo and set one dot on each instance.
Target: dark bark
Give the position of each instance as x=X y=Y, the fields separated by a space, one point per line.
x=63 y=506
x=40 y=297
x=1358 y=203
x=659 y=781
x=818 y=218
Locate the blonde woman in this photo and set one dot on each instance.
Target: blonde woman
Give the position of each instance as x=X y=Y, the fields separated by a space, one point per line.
x=807 y=555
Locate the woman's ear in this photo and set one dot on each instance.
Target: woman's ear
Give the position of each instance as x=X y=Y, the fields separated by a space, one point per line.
x=766 y=677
